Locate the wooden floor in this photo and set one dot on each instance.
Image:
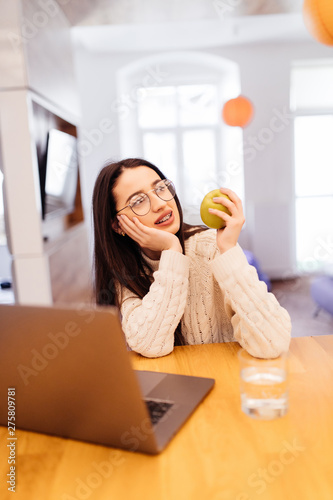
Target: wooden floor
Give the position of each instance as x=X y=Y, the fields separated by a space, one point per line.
x=295 y=296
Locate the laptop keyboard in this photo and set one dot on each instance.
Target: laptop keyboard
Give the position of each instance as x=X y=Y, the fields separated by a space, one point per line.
x=157 y=409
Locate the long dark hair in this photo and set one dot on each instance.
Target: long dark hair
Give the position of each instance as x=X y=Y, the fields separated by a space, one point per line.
x=118 y=260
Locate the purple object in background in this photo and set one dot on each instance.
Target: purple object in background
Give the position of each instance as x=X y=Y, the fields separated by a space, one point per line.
x=322 y=293
x=253 y=262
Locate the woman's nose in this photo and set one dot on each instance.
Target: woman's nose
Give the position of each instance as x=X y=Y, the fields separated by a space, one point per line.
x=156 y=202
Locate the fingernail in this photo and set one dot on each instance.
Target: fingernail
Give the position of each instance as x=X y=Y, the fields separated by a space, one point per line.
x=215 y=198
x=210 y=210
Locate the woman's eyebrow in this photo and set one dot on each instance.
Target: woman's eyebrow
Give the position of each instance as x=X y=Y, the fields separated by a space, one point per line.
x=141 y=191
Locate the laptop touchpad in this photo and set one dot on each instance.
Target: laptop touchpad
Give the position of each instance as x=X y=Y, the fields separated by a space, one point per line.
x=149 y=380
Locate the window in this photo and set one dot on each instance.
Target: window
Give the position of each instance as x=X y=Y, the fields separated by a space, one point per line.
x=175 y=122
x=180 y=128
x=179 y=125
x=312 y=101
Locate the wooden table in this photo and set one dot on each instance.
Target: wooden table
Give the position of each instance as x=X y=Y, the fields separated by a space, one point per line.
x=220 y=453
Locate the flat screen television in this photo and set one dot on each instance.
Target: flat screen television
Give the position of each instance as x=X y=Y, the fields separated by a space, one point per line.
x=61 y=174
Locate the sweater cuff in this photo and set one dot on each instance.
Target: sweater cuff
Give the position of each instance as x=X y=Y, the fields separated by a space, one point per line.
x=175 y=262
x=228 y=262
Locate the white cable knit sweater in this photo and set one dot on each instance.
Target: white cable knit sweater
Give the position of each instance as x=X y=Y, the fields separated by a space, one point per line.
x=217 y=297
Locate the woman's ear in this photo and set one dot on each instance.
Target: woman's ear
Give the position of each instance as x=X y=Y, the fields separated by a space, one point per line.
x=116 y=228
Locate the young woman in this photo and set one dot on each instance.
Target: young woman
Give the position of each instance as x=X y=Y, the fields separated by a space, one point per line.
x=175 y=283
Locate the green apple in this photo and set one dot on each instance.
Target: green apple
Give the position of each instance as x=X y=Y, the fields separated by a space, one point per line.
x=209 y=219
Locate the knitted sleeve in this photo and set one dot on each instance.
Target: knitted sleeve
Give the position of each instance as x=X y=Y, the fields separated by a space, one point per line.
x=149 y=323
x=260 y=324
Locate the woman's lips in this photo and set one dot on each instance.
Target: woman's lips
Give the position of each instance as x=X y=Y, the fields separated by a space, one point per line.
x=167 y=222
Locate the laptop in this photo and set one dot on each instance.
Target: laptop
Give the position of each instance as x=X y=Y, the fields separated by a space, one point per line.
x=69 y=372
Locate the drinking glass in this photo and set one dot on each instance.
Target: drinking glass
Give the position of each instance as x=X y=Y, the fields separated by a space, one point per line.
x=263 y=385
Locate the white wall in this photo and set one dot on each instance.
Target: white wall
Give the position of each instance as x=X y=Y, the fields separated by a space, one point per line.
x=98 y=94
x=12 y=67
x=265 y=79
x=48 y=54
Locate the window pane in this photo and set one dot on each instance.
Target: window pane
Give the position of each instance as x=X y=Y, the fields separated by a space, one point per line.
x=314 y=232
x=160 y=149
x=199 y=153
x=314 y=155
x=157 y=107
x=197 y=105
x=312 y=87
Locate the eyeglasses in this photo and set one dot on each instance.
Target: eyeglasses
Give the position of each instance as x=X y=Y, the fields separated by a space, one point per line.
x=140 y=203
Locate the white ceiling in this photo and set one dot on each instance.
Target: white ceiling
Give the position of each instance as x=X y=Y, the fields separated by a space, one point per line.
x=183 y=35
x=113 y=12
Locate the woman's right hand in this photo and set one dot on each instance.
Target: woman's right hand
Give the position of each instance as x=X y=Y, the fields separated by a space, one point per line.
x=153 y=239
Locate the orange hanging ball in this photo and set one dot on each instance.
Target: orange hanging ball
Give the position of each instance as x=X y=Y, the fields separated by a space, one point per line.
x=318 y=18
x=237 y=112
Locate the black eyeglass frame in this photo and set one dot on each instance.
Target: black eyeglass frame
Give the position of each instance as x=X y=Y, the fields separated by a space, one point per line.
x=170 y=183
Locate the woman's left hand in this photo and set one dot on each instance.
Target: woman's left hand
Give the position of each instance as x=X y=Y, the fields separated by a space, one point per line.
x=227 y=236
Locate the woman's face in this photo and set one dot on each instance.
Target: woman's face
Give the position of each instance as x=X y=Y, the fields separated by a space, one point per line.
x=143 y=179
